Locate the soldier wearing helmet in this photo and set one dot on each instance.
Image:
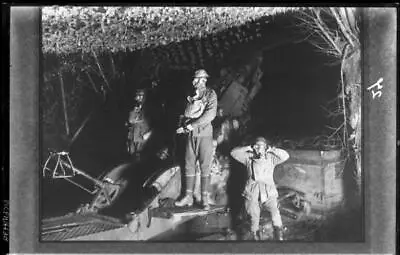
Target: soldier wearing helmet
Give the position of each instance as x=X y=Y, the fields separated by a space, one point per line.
x=139 y=130
x=200 y=111
x=260 y=160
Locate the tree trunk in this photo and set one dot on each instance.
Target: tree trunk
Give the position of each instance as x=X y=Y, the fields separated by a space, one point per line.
x=352 y=70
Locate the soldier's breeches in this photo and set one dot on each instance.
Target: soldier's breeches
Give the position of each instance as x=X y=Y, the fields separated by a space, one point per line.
x=198 y=148
x=272 y=206
x=253 y=210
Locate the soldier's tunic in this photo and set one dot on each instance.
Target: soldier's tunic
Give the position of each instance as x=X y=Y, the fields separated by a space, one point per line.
x=138 y=126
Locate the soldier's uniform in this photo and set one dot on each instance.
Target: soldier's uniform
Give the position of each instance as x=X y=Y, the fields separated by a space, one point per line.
x=138 y=126
x=199 y=113
x=260 y=187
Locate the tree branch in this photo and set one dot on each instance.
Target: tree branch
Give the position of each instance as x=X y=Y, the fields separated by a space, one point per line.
x=91 y=82
x=64 y=102
x=101 y=69
x=325 y=32
x=342 y=26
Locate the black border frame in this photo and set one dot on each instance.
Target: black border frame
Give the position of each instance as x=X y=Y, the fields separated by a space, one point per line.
x=379 y=147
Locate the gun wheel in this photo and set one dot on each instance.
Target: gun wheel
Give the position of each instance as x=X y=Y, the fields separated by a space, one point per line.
x=113 y=191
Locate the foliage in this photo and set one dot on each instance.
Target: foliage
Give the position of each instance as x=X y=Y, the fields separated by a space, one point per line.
x=69 y=29
x=330 y=30
x=335 y=31
x=104 y=72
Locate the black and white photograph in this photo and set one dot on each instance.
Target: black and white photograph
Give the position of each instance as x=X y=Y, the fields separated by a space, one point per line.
x=203 y=124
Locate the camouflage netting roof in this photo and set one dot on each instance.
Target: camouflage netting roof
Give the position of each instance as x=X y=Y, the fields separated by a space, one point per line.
x=72 y=29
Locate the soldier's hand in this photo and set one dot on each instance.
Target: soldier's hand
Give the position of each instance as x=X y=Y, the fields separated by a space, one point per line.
x=270 y=148
x=146 y=136
x=180 y=130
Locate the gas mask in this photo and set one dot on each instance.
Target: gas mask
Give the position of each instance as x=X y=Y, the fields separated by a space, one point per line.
x=139 y=100
x=198 y=87
x=192 y=92
x=258 y=150
x=257 y=155
x=138 y=105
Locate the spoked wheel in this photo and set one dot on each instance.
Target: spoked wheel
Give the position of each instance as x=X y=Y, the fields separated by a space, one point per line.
x=109 y=194
x=294 y=203
x=114 y=185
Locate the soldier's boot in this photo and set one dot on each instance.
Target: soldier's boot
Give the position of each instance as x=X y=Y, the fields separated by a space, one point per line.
x=197 y=189
x=258 y=235
x=187 y=200
x=278 y=233
x=197 y=198
x=204 y=201
x=254 y=236
x=205 y=183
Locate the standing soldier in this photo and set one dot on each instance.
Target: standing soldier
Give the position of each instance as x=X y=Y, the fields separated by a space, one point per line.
x=200 y=111
x=260 y=160
x=138 y=127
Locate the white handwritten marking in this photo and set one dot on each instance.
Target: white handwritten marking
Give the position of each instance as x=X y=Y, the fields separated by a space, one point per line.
x=379 y=93
x=378 y=83
x=379 y=87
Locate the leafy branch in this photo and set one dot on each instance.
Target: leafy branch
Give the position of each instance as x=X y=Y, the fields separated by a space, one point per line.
x=333 y=31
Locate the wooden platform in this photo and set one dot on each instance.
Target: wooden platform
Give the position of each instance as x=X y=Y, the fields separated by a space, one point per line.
x=168 y=212
x=73 y=225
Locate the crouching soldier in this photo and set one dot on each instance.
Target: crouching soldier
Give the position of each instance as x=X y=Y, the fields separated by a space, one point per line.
x=138 y=126
x=260 y=160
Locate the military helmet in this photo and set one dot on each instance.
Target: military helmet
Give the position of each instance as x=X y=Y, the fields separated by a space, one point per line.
x=140 y=92
x=201 y=73
x=261 y=139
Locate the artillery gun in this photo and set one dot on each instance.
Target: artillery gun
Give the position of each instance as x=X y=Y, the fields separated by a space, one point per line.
x=105 y=189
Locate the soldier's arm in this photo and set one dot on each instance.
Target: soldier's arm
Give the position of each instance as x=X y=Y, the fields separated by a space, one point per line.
x=209 y=113
x=241 y=154
x=279 y=155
